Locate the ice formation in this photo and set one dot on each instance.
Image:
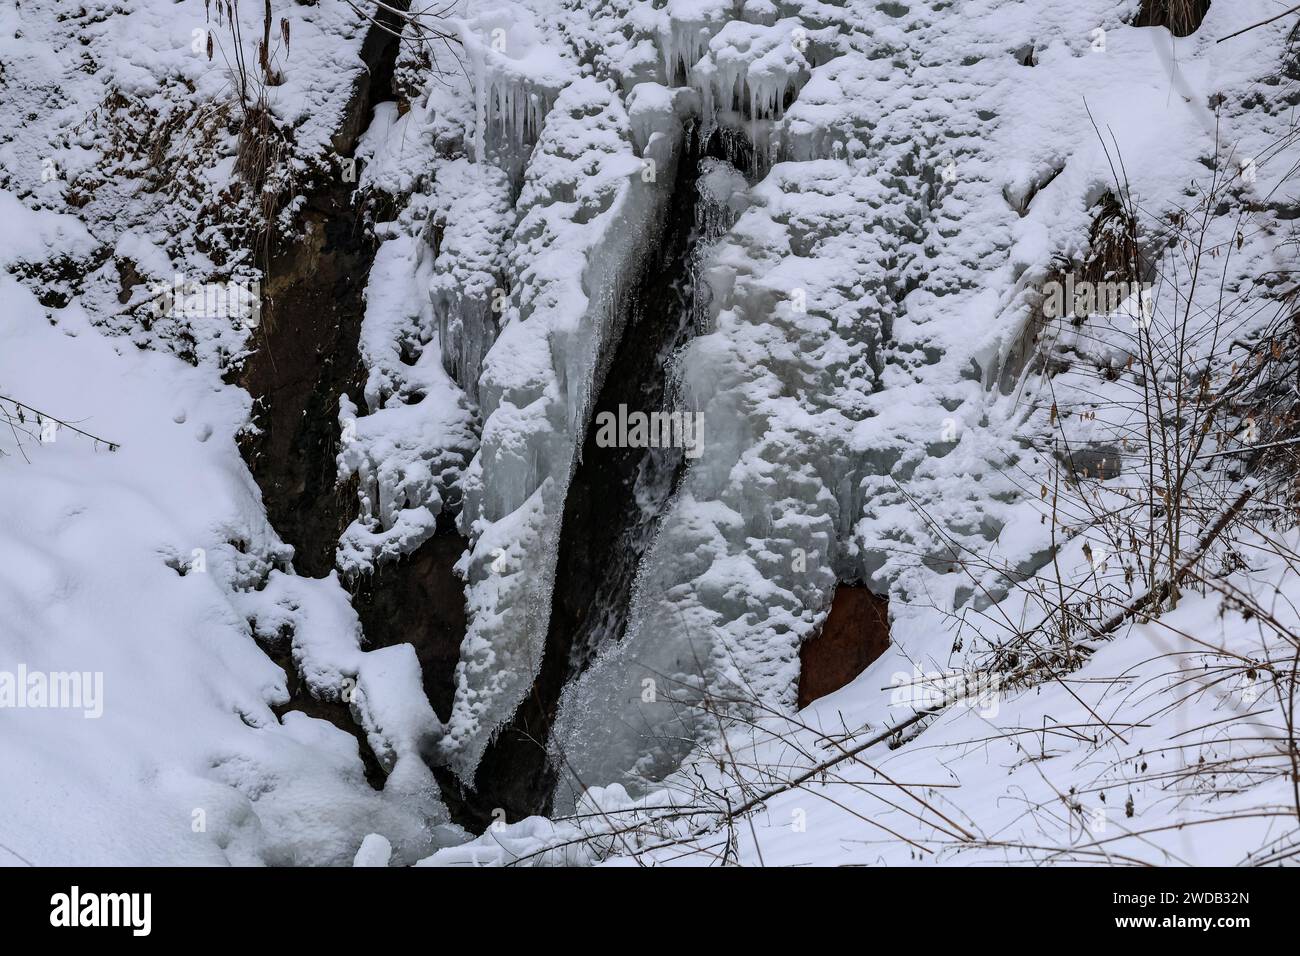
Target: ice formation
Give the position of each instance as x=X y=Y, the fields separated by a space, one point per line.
x=409 y=451
x=516 y=74
x=382 y=686
x=864 y=304
x=584 y=216
x=867 y=310
x=116 y=176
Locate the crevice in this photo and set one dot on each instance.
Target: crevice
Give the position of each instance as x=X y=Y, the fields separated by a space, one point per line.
x=337 y=712
x=307 y=356
x=307 y=353
x=306 y=359
x=615 y=500
x=420 y=600
x=733 y=145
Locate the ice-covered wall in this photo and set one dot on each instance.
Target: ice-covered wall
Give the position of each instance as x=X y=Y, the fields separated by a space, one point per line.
x=862 y=382
x=409 y=452
x=585 y=216
x=904 y=174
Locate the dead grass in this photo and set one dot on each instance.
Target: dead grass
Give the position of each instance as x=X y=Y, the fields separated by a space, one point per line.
x=1181 y=17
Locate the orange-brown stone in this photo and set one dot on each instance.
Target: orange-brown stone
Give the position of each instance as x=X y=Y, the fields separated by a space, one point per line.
x=856 y=632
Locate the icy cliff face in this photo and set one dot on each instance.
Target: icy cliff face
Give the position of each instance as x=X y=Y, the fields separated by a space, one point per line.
x=585 y=216
x=411 y=447
x=873 y=403
x=868 y=318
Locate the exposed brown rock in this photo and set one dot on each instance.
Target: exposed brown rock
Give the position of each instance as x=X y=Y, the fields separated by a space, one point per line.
x=856 y=632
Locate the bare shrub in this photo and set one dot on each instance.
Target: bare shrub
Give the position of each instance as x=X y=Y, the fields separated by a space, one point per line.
x=263 y=146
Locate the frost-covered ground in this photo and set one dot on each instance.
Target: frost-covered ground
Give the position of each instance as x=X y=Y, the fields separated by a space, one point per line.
x=899 y=182
x=153 y=565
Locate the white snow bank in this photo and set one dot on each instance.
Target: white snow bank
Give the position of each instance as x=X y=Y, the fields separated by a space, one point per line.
x=138 y=565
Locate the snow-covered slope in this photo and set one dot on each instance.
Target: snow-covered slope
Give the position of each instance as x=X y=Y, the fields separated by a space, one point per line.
x=1165 y=749
x=152 y=566
x=141 y=566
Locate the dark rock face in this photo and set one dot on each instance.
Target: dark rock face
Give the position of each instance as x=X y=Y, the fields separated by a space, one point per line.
x=1182 y=17
x=856 y=632
x=306 y=347
x=306 y=357
x=419 y=600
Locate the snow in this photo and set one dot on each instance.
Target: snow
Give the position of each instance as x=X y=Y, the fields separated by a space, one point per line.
x=188 y=764
x=153 y=566
x=30 y=235
x=409 y=451
x=685 y=31
x=374 y=851
x=867 y=303
x=516 y=77
x=118 y=118
x=868 y=276
x=472 y=203
x=1167 y=747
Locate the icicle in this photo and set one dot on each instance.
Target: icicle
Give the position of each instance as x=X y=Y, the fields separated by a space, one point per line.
x=704 y=80
x=480 y=103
